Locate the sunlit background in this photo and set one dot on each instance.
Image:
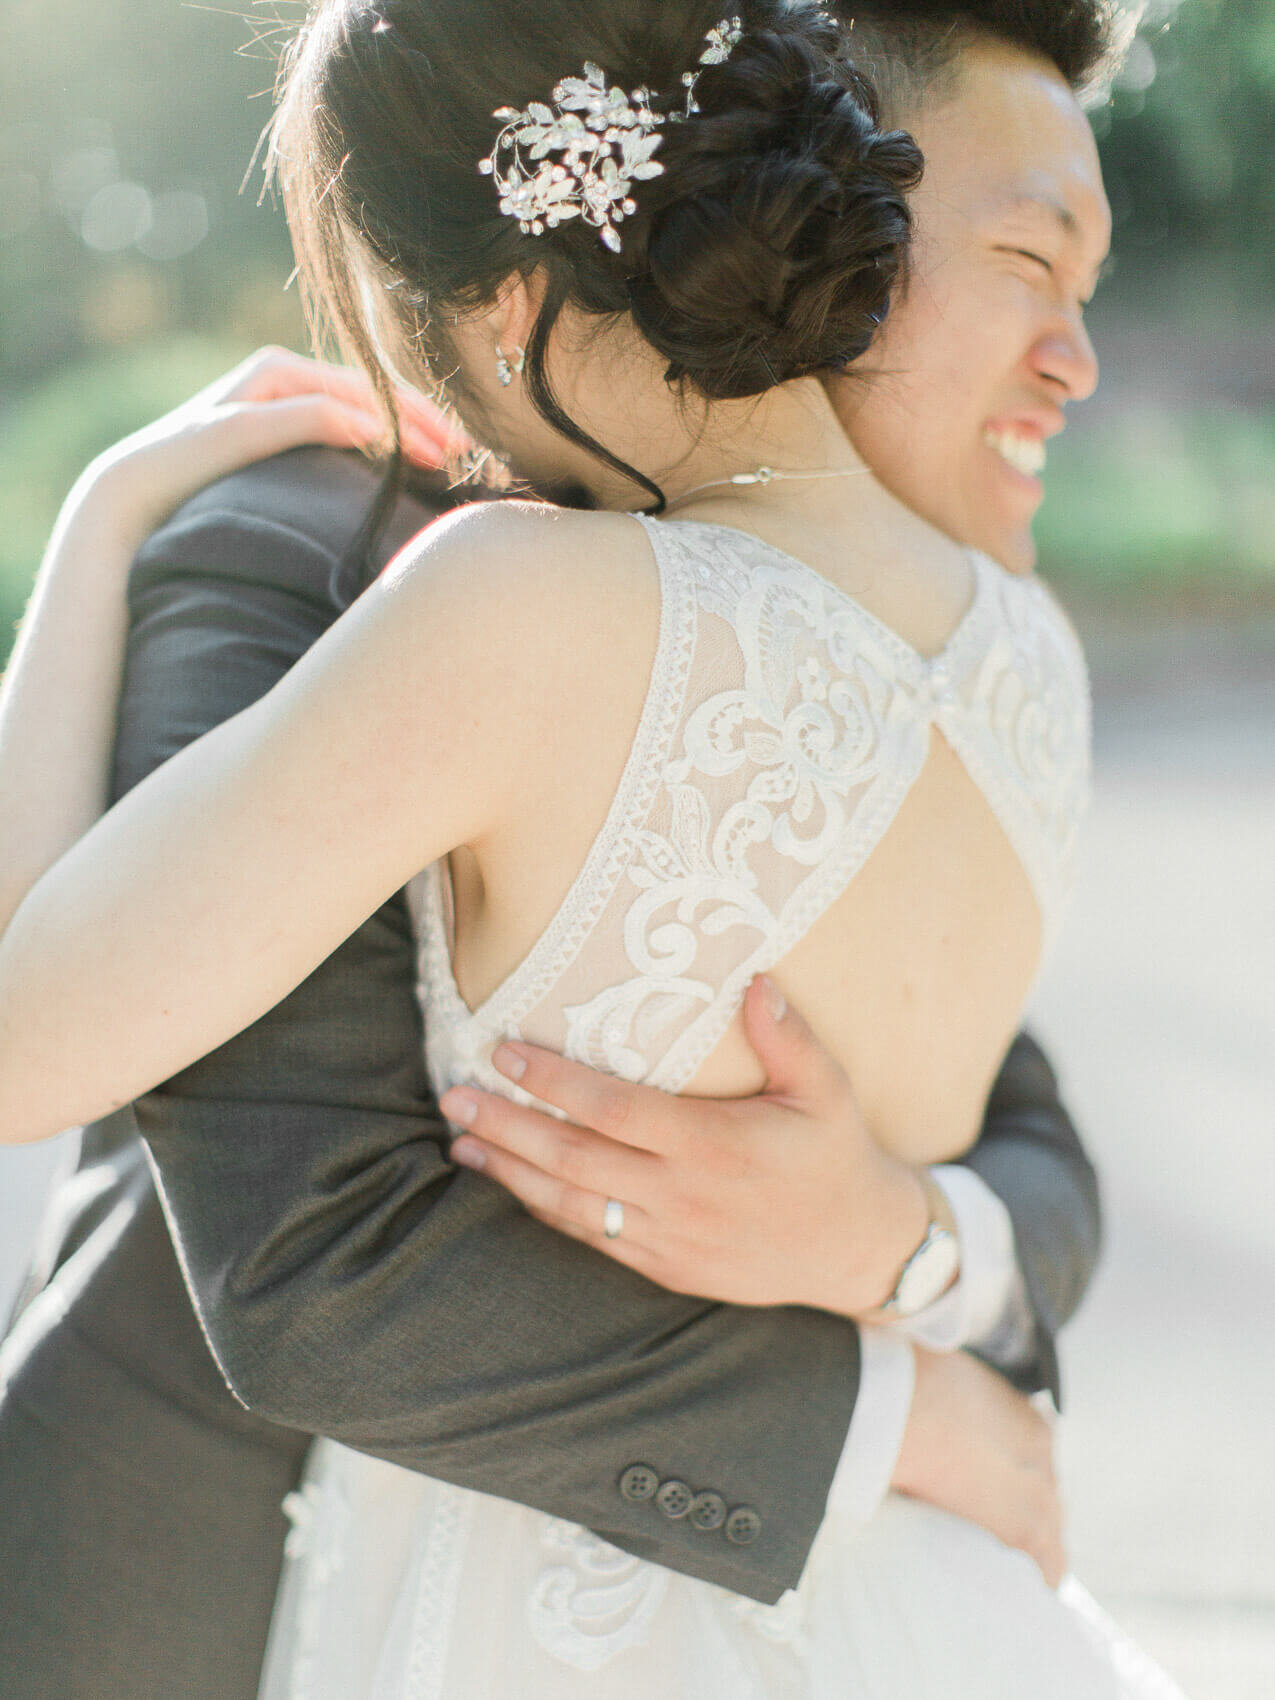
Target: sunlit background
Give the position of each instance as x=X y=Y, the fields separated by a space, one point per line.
x=133 y=269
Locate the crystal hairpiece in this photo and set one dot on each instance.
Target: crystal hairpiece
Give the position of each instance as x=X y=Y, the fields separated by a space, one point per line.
x=581 y=157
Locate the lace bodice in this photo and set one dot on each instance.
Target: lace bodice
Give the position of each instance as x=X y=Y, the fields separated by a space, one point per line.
x=782 y=729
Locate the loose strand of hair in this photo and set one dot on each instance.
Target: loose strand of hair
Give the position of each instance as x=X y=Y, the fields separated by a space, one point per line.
x=545 y=401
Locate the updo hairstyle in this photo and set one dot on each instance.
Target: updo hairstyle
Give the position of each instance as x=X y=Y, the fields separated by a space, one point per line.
x=767 y=250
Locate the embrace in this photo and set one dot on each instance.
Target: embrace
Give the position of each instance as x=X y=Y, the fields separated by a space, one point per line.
x=565 y=950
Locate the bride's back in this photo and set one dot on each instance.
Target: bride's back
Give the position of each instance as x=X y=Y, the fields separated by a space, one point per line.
x=809 y=759
x=632 y=243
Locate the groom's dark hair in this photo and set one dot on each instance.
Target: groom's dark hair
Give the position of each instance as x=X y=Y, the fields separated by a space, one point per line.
x=911 y=48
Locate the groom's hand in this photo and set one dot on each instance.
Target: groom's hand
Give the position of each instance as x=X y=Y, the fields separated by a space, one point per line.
x=784 y=1198
x=977 y=1448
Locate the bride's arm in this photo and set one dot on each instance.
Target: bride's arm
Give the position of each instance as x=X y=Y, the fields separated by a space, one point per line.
x=214 y=888
x=154 y=932
x=57 y=705
x=59 y=692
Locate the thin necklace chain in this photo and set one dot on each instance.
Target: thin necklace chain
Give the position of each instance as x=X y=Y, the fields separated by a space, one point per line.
x=763 y=475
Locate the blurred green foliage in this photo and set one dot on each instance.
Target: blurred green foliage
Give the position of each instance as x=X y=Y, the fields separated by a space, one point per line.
x=105 y=103
x=132 y=270
x=1188 y=143
x=1170 y=504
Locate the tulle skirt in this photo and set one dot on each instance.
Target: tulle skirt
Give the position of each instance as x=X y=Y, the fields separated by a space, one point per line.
x=397 y=1587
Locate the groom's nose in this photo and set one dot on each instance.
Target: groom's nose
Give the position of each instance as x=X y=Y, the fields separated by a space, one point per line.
x=1064 y=356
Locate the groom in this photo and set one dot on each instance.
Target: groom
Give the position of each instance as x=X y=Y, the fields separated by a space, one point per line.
x=350 y=1279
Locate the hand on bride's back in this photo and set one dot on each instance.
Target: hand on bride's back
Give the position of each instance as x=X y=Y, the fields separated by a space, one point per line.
x=976 y=1447
x=782 y=1198
x=273 y=401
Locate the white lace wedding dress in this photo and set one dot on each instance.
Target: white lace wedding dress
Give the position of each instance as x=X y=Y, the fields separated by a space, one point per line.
x=783 y=728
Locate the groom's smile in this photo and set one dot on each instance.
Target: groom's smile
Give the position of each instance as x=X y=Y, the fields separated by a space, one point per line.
x=955 y=403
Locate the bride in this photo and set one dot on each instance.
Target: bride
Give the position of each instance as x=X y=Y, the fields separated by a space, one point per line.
x=776 y=723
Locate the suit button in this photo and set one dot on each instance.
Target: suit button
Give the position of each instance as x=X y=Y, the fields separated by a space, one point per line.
x=708 y=1511
x=743 y=1526
x=639 y=1482
x=674 y=1499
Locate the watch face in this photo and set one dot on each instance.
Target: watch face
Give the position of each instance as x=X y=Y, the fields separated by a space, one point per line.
x=928 y=1274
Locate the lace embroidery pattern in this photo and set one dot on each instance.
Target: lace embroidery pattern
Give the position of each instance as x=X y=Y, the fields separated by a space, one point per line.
x=832 y=721
x=815 y=738
x=1024 y=733
x=744 y=811
x=470 y=1036
x=437 y=1585
x=319 y=1512
x=595 y=1601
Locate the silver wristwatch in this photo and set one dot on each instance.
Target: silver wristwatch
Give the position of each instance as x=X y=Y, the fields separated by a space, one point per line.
x=926 y=1275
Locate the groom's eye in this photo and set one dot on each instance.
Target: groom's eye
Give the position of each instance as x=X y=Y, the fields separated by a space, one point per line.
x=1028 y=254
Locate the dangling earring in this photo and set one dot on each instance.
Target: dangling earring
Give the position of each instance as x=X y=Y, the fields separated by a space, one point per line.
x=504 y=369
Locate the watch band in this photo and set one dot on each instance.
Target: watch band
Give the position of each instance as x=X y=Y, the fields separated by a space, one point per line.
x=932 y=1267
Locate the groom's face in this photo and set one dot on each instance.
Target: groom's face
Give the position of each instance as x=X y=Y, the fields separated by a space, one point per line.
x=953 y=405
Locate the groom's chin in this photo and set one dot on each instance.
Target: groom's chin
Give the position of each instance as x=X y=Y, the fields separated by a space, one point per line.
x=1014 y=547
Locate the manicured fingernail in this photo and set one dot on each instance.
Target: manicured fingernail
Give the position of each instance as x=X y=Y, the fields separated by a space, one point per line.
x=775 y=999
x=509 y=1062
x=460 y=1107
x=469 y=1154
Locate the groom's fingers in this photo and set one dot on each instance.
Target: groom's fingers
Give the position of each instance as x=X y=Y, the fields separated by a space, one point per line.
x=639 y=1116
x=572 y=1156
x=571 y=1210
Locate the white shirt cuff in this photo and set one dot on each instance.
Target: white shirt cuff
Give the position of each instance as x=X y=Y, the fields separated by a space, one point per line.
x=887 y=1375
x=987 y=1306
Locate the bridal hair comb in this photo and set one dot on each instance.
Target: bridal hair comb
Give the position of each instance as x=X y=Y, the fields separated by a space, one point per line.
x=580 y=157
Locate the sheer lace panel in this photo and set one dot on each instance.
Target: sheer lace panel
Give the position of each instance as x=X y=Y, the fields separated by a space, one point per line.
x=783 y=727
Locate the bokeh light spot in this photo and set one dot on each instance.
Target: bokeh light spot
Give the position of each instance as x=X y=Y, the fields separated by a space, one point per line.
x=179 y=223
x=1138 y=72
x=117 y=216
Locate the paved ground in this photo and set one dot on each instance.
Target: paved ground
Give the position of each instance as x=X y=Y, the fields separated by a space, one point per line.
x=1160 y=1010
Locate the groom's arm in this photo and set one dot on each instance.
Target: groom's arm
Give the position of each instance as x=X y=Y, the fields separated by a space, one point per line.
x=352 y=1281
x=1030 y=1156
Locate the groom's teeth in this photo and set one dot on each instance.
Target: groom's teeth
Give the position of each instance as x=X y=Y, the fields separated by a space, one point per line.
x=1025 y=454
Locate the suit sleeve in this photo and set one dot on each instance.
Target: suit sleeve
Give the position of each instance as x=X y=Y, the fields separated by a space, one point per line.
x=1030 y=1155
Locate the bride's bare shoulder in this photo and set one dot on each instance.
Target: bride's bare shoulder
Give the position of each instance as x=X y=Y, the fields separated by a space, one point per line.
x=549 y=574
x=518 y=534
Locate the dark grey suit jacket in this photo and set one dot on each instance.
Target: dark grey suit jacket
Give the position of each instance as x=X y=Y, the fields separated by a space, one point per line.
x=352 y=1282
